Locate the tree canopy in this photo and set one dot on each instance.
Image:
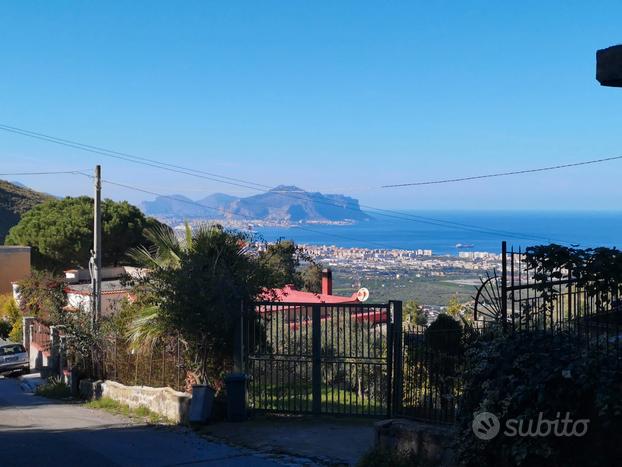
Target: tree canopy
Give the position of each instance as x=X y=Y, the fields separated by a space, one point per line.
x=414 y=313
x=286 y=259
x=60 y=232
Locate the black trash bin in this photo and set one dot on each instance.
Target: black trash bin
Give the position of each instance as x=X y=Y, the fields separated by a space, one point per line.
x=236 y=397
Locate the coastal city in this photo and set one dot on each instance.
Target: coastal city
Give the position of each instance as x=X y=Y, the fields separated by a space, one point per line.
x=421 y=262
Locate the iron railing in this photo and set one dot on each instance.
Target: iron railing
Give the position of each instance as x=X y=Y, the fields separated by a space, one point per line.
x=320 y=358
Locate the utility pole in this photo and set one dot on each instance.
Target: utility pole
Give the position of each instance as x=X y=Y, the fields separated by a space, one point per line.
x=96 y=258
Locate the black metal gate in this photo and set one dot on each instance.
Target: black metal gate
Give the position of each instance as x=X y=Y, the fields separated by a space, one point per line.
x=323 y=358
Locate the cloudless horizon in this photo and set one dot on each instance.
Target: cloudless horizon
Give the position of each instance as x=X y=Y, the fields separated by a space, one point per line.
x=337 y=97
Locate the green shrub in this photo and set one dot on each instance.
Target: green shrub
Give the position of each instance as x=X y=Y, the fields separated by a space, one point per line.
x=10 y=319
x=444 y=335
x=5 y=328
x=16 y=331
x=54 y=388
x=523 y=375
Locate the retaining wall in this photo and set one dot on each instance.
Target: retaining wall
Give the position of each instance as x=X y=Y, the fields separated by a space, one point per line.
x=167 y=402
x=432 y=444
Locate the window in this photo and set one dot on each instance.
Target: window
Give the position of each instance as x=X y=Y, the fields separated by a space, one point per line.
x=12 y=349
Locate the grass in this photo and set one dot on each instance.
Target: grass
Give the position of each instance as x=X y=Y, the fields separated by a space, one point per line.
x=335 y=401
x=139 y=413
x=54 y=388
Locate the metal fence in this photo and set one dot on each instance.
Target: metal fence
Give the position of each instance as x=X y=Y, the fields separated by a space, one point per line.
x=522 y=300
x=163 y=365
x=432 y=375
x=320 y=358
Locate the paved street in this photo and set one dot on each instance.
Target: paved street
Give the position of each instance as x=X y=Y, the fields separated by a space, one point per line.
x=39 y=432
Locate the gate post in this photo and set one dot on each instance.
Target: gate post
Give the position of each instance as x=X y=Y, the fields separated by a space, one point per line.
x=504 y=283
x=238 y=342
x=316 y=368
x=398 y=367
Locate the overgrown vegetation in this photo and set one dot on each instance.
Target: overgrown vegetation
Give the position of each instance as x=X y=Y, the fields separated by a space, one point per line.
x=10 y=319
x=195 y=290
x=522 y=375
x=596 y=270
x=117 y=408
x=54 y=388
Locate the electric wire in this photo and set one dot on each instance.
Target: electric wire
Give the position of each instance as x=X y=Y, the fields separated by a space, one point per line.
x=265 y=188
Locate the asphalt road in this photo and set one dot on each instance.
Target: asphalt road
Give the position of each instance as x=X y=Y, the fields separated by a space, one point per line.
x=35 y=431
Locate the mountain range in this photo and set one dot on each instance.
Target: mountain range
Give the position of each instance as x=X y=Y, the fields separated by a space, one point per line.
x=283 y=203
x=15 y=200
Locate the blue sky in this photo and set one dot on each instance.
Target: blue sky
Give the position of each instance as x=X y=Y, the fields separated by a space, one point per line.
x=331 y=96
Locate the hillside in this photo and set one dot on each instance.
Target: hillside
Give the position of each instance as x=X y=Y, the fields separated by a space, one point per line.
x=15 y=200
x=283 y=203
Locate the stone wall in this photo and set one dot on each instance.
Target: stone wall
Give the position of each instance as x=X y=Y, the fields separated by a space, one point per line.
x=167 y=402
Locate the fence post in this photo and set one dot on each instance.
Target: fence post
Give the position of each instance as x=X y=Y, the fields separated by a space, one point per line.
x=316 y=369
x=390 y=357
x=504 y=283
x=238 y=344
x=398 y=366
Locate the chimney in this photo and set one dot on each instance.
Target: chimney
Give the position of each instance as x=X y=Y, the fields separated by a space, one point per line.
x=327 y=282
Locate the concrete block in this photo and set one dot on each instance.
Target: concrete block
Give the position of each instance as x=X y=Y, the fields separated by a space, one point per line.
x=167 y=402
x=430 y=443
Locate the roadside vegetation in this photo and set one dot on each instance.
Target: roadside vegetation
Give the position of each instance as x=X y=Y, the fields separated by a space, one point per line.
x=10 y=319
x=54 y=388
x=141 y=413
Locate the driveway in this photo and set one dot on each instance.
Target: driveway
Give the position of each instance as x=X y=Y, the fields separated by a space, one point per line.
x=39 y=432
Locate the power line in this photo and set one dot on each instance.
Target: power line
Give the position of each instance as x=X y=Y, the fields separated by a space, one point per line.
x=263 y=188
x=111 y=153
x=504 y=174
x=73 y=172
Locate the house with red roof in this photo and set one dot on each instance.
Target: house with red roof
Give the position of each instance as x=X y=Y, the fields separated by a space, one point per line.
x=297 y=304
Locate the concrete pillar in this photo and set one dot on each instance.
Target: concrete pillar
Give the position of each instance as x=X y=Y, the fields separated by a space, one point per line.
x=54 y=360
x=26 y=331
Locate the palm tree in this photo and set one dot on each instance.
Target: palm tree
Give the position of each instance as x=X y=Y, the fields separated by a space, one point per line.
x=147 y=329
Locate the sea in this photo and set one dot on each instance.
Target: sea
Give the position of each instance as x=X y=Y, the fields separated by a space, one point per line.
x=449 y=232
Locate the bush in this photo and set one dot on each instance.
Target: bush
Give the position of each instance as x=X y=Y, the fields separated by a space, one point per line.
x=444 y=335
x=10 y=319
x=16 y=333
x=521 y=376
x=5 y=328
x=54 y=388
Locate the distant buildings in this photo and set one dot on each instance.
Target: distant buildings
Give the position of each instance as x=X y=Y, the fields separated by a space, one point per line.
x=114 y=289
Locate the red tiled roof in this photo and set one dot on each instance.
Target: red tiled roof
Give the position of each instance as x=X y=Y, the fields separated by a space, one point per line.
x=289 y=294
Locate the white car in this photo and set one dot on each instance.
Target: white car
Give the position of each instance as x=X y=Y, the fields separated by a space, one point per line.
x=13 y=357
